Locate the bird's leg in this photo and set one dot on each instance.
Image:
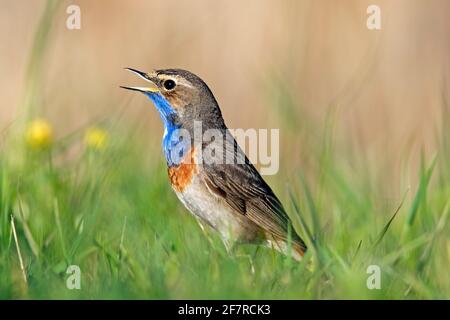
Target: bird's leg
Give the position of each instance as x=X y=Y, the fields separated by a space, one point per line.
x=232 y=251
x=230 y=247
x=205 y=233
x=250 y=260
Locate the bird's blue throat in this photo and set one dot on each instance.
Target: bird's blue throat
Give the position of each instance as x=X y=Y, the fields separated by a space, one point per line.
x=174 y=148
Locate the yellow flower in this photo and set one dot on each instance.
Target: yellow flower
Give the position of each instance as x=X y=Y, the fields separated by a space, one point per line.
x=96 y=138
x=39 y=134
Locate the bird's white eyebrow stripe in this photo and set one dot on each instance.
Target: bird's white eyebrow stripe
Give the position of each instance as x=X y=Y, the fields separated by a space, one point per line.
x=177 y=79
x=183 y=81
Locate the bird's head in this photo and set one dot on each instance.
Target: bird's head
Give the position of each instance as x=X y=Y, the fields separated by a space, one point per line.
x=180 y=95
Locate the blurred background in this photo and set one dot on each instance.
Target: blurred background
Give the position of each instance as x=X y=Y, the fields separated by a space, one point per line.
x=364 y=119
x=306 y=67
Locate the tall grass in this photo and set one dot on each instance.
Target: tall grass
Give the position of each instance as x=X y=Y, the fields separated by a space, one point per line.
x=111 y=212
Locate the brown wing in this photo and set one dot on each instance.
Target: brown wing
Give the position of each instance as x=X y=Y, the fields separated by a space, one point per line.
x=243 y=188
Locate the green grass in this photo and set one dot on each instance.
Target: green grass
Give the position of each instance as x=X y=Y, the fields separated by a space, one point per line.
x=112 y=213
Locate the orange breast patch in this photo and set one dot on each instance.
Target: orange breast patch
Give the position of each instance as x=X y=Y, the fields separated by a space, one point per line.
x=181 y=176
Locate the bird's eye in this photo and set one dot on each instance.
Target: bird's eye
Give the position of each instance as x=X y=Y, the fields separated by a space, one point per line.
x=169 y=84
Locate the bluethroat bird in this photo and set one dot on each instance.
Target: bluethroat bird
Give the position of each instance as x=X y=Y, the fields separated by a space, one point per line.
x=229 y=196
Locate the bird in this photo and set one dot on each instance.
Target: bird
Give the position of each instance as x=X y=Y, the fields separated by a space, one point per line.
x=231 y=197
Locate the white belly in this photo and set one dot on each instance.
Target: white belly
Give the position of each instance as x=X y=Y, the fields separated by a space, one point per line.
x=212 y=210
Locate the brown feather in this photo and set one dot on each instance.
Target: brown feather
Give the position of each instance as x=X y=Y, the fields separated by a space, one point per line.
x=243 y=189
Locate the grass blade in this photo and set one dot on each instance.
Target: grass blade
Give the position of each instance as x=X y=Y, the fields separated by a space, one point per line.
x=388 y=224
x=420 y=196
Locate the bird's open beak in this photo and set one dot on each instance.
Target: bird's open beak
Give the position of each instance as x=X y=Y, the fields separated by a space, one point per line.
x=147 y=78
